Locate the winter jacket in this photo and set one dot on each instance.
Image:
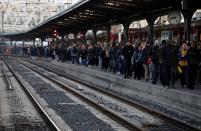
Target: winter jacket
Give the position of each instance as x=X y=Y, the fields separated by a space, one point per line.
x=127 y=52
x=168 y=55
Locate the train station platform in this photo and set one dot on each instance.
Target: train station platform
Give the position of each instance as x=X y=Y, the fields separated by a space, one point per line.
x=180 y=99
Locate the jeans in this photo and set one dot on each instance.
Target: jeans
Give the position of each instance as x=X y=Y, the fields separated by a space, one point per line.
x=74 y=59
x=138 y=70
x=146 y=71
x=84 y=61
x=127 y=68
x=154 y=72
x=100 y=62
x=113 y=65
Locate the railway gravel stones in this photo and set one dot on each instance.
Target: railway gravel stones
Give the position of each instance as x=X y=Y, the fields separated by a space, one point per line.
x=76 y=116
x=17 y=114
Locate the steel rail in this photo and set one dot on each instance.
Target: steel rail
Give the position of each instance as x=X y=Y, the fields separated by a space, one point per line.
x=108 y=112
x=47 y=119
x=10 y=87
x=144 y=108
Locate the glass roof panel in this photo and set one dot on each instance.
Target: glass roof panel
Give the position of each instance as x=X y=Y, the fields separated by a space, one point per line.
x=21 y=15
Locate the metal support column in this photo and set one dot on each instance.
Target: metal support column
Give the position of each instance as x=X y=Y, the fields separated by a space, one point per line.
x=187 y=23
x=15 y=47
x=11 y=42
x=125 y=31
x=34 y=42
x=23 y=44
x=75 y=36
x=150 y=21
x=41 y=41
x=94 y=36
x=84 y=36
x=108 y=33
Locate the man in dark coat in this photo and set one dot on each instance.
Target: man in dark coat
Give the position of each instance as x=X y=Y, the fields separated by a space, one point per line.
x=168 y=63
x=192 y=59
x=127 y=52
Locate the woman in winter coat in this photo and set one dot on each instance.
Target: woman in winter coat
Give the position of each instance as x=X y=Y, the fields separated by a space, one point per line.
x=137 y=60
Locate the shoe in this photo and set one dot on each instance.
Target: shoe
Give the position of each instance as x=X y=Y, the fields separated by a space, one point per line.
x=135 y=77
x=168 y=86
x=172 y=86
x=191 y=88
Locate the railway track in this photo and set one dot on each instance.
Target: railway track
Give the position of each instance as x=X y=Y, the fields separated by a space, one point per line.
x=112 y=114
x=41 y=111
x=5 y=76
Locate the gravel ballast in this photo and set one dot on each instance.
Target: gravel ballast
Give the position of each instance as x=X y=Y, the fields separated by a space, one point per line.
x=75 y=115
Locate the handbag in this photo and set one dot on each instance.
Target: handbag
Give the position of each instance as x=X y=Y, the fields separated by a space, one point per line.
x=179 y=70
x=149 y=60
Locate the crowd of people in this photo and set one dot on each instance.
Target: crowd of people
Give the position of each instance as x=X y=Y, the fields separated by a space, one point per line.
x=166 y=60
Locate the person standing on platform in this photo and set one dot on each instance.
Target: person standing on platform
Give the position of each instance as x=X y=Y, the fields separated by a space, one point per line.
x=145 y=59
x=183 y=64
x=74 y=53
x=57 y=53
x=155 y=62
x=105 y=58
x=168 y=62
x=98 y=53
x=83 y=55
x=127 y=52
x=137 y=61
x=162 y=62
x=192 y=60
x=112 y=53
x=120 y=60
x=199 y=63
x=68 y=54
x=91 y=55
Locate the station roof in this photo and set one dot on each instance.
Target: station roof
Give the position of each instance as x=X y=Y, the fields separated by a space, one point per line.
x=88 y=14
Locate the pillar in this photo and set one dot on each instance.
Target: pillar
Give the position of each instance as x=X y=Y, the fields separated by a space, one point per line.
x=11 y=42
x=41 y=40
x=23 y=44
x=84 y=36
x=108 y=33
x=125 y=31
x=15 y=47
x=34 y=42
x=187 y=13
x=94 y=36
x=150 y=21
x=75 y=36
